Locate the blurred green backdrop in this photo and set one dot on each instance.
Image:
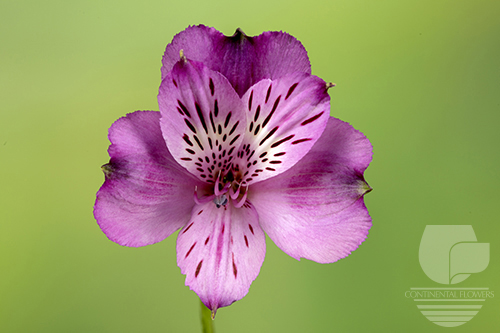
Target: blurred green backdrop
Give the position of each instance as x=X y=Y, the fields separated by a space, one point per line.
x=419 y=78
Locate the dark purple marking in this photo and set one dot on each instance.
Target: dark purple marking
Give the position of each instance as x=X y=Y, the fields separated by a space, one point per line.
x=251 y=229
x=250 y=156
x=230 y=151
x=223 y=228
x=269 y=135
x=270 y=169
x=300 y=140
x=257 y=113
x=263 y=154
x=191 y=249
x=224 y=138
x=310 y=120
x=268 y=92
x=234 y=127
x=228 y=117
x=184 y=108
x=201 y=211
x=275 y=162
x=180 y=111
x=276 y=102
x=190 y=151
x=191 y=127
x=250 y=128
x=277 y=143
x=206 y=240
x=200 y=169
x=280 y=154
x=216 y=108
x=234 y=140
x=186 y=138
x=220 y=129
x=210 y=143
x=256 y=129
x=200 y=115
x=175 y=83
x=290 y=91
x=265 y=159
x=250 y=101
x=211 y=85
x=189 y=226
x=186 y=159
x=212 y=121
x=198 y=142
x=198 y=164
x=235 y=270
x=198 y=268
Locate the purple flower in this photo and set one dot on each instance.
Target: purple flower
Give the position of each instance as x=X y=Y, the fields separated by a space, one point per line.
x=243 y=144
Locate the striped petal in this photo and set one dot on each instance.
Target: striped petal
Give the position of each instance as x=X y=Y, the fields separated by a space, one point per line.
x=202 y=119
x=285 y=117
x=221 y=251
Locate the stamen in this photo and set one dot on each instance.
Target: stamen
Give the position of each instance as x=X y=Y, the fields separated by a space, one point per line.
x=240 y=203
x=234 y=194
x=224 y=190
x=216 y=186
x=203 y=199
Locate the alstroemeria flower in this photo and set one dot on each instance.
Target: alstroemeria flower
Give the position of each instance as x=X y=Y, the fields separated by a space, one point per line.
x=243 y=144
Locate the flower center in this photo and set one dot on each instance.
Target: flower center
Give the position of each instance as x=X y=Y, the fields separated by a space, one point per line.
x=226 y=188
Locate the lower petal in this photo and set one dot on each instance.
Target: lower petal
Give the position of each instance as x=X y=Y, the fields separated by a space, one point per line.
x=315 y=210
x=221 y=251
x=146 y=195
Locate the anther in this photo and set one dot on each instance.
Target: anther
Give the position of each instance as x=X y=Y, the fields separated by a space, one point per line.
x=220 y=201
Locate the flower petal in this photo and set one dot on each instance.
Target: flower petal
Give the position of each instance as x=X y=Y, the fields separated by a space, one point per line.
x=202 y=119
x=285 y=117
x=221 y=251
x=315 y=210
x=146 y=195
x=243 y=60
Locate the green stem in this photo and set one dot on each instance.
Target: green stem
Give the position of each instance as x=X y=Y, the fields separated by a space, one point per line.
x=206 y=319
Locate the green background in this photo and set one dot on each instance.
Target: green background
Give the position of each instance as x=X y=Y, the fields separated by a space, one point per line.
x=420 y=78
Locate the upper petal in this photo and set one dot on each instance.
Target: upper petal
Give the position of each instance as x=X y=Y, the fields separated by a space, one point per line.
x=243 y=60
x=146 y=195
x=315 y=209
x=221 y=251
x=285 y=117
x=202 y=119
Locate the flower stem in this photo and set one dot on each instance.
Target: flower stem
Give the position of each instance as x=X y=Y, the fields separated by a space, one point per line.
x=206 y=319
